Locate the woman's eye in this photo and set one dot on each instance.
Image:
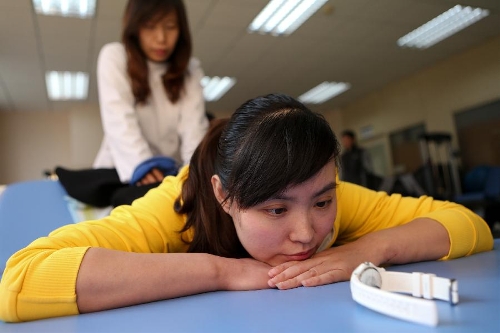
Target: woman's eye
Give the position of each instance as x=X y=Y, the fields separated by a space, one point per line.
x=323 y=204
x=276 y=211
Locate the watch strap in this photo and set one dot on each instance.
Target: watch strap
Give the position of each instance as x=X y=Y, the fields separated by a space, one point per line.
x=395 y=305
x=424 y=285
x=380 y=290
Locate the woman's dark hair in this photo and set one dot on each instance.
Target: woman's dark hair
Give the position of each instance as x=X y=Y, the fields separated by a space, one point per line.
x=269 y=144
x=214 y=230
x=137 y=14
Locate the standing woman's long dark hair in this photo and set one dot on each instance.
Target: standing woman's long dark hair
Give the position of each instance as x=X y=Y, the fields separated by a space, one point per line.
x=270 y=143
x=137 y=14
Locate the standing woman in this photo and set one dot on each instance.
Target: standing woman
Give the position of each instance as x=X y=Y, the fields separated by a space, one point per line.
x=150 y=94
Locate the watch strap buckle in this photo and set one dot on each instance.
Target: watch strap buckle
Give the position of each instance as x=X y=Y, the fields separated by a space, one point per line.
x=429 y=286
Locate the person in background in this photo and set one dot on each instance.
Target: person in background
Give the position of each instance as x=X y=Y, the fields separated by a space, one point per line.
x=259 y=206
x=356 y=163
x=150 y=94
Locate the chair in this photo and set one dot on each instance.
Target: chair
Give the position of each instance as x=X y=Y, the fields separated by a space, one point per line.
x=483 y=192
x=492 y=188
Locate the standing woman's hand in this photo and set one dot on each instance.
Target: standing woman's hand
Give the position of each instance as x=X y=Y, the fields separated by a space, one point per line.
x=153 y=176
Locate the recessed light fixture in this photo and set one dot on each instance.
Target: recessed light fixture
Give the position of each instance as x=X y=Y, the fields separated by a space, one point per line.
x=282 y=17
x=214 y=88
x=323 y=92
x=67 y=8
x=442 y=26
x=63 y=86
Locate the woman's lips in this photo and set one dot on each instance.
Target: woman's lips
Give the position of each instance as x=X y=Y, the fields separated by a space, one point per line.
x=160 y=53
x=301 y=255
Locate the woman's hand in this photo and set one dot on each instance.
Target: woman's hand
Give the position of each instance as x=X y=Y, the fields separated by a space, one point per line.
x=329 y=266
x=153 y=176
x=418 y=240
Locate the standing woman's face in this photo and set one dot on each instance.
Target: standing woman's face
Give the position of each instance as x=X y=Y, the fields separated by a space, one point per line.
x=158 y=38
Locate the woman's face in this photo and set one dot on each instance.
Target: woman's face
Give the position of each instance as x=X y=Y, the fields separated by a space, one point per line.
x=292 y=225
x=158 y=38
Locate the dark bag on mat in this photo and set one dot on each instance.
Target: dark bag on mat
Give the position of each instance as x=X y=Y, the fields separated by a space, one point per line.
x=94 y=187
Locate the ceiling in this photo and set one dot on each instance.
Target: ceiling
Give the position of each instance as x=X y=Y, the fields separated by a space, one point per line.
x=347 y=40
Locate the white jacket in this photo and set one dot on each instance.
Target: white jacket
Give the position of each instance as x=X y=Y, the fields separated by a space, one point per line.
x=134 y=133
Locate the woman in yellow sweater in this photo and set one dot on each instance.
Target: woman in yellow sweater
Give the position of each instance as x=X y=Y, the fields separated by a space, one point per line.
x=259 y=206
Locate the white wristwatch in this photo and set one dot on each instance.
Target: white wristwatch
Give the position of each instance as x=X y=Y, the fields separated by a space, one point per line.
x=371 y=286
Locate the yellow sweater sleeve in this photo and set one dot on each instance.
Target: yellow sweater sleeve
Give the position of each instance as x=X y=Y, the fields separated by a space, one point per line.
x=361 y=211
x=40 y=280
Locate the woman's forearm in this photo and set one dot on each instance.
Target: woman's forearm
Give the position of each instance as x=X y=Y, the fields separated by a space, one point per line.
x=110 y=279
x=419 y=240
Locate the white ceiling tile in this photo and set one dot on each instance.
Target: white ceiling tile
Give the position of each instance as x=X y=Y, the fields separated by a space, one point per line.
x=16 y=23
x=19 y=68
x=66 y=40
x=34 y=88
x=25 y=5
x=110 y=8
x=5 y=99
x=57 y=26
x=106 y=31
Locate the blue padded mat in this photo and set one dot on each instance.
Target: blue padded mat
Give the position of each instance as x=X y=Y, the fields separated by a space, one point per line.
x=29 y=210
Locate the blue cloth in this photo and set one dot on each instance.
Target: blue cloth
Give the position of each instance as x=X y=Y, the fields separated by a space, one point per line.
x=166 y=165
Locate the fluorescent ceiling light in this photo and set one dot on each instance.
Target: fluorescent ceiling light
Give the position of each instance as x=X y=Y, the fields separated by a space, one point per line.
x=214 y=88
x=324 y=92
x=63 y=86
x=68 y=8
x=442 y=26
x=282 y=17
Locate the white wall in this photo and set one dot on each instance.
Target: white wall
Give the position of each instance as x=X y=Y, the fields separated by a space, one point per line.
x=86 y=136
x=433 y=95
x=335 y=119
x=31 y=142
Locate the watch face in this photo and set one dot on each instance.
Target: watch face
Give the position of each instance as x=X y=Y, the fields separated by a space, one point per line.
x=371 y=277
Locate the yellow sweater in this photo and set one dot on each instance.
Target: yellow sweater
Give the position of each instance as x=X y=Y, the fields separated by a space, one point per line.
x=39 y=281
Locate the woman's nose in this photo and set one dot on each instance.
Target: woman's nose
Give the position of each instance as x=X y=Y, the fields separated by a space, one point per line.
x=160 y=35
x=303 y=230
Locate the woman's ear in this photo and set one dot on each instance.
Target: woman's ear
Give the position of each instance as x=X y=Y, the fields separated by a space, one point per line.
x=220 y=193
